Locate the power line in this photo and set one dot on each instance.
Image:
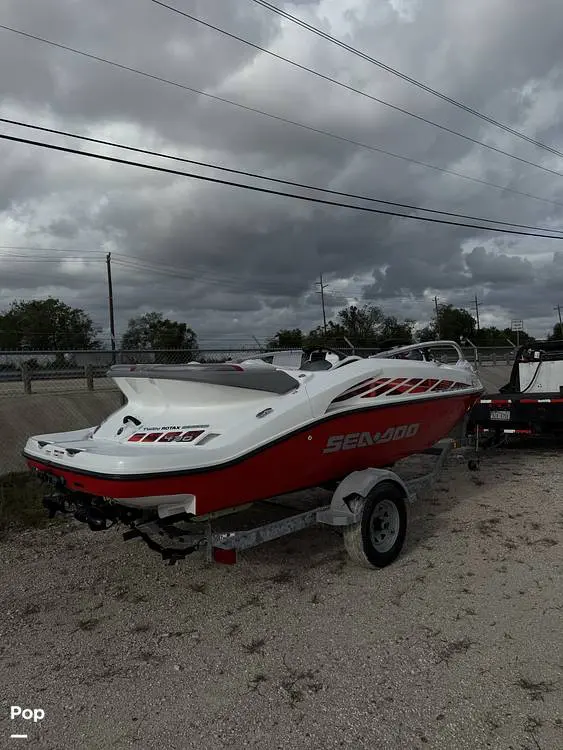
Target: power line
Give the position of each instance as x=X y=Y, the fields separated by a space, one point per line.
x=143 y=265
x=475 y=303
x=32 y=259
x=399 y=74
x=277 y=180
x=131 y=262
x=279 y=118
x=264 y=287
x=354 y=90
x=179 y=273
x=269 y=191
x=230 y=284
x=134 y=263
x=35 y=248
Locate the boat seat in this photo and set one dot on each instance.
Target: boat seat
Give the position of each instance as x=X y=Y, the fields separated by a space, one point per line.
x=316 y=362
x=262 y=377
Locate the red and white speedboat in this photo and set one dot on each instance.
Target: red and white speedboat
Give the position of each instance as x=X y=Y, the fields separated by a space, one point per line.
x=201 y=438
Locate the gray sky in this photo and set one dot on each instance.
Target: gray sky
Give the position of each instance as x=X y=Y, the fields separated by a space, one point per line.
x=233 y=263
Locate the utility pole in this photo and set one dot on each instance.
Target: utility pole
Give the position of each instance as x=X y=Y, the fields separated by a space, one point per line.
x=477 y=312
x=322 y=293
x=110 y=302
x=558 y=308
x=438 y=332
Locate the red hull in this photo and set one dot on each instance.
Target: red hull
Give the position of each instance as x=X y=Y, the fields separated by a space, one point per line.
x=328 y=450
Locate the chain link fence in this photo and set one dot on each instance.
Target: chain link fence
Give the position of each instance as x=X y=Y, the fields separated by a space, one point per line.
x=55 y=371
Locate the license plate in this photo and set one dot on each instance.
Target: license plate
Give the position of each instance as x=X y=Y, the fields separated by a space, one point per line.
x=500 y=416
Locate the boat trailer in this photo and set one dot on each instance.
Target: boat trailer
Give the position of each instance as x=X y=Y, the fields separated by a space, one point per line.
x=368 y=506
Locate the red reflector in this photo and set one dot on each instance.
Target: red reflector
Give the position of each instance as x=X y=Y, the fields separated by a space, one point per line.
x=225 y=556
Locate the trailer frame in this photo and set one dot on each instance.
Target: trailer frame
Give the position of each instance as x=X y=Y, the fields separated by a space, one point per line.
x=517 y=409
x=346 y=511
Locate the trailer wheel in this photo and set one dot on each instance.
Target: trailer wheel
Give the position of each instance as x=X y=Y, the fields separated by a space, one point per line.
x=378 y=538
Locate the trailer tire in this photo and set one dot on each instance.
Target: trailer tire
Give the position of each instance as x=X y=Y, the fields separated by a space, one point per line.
x=378 y=538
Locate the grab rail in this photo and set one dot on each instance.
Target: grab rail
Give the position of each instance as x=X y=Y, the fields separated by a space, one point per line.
x=438 y=344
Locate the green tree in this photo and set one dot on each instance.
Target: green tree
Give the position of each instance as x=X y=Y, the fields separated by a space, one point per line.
x=334 y=336
x=456 y=322
x=400 y=331
x=154 y=331
x=493 y=336
x=365 y=327
x=48 y=324
x=368 y=326
x=428 y=333
x=286 y=338
x=556 y=334
x=523 y=337
x=490 y=336
x=452 y=324
x=362 y=324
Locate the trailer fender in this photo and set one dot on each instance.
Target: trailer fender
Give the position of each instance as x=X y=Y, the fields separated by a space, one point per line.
x=358 y=484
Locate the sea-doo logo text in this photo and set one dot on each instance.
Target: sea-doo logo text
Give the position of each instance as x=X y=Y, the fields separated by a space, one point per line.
x=365 y=439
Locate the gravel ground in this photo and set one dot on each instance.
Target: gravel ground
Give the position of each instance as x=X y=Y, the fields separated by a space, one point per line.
x=456 y=645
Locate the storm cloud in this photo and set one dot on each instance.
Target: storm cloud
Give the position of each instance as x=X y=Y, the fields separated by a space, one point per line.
x=236 y=264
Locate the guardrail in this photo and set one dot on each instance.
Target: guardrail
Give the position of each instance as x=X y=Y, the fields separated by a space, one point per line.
x=26 y=376
x=53 y=371
x=23 y=374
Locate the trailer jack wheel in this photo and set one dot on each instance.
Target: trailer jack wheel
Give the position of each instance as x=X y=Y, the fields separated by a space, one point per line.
x=378 y=538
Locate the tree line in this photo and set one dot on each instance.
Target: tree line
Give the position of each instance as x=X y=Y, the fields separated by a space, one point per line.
x=52 y=325
x=368 y=327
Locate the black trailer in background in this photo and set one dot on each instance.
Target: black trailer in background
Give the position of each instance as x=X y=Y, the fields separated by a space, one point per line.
x=528 y=410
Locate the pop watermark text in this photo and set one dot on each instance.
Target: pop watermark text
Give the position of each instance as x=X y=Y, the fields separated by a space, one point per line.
x=27 y=714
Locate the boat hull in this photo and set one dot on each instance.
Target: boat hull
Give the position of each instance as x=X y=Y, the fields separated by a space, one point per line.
x=321 y=452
